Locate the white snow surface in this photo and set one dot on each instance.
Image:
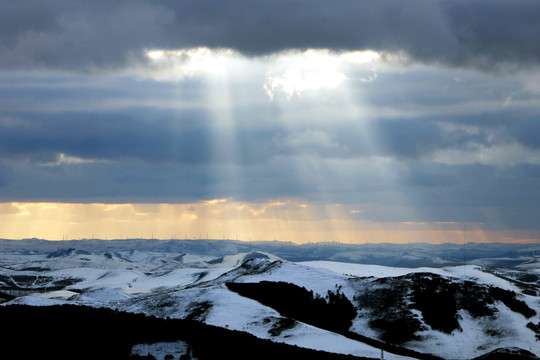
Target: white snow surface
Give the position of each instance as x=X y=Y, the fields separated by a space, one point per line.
x=161 y=349
x=235 y=312
x=35 y=301
x=317 y=279
x=101 y=295
x=172 y=285
x=466 y=272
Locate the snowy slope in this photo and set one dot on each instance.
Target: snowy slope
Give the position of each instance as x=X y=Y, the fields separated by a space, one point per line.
x=467 y=272
x=511 y=326
x=179 y=285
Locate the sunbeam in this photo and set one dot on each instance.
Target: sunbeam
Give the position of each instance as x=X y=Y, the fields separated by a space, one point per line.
x=332 y=130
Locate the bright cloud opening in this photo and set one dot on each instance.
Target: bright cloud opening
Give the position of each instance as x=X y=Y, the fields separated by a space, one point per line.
x=290 y=73
x=360 y=57
x=308 y=70
x=315 y=69
x=175 y=65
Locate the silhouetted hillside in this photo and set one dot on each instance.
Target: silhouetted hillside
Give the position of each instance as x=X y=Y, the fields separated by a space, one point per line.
x=79 y=332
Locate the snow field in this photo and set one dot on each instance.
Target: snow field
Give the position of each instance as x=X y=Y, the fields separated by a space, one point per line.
x=166 y=285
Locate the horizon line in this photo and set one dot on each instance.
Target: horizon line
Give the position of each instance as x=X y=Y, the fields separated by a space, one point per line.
x=531 y=242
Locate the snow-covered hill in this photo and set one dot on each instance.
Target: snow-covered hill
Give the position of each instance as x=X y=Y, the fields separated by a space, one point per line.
x=490 y=255
x=459 y=312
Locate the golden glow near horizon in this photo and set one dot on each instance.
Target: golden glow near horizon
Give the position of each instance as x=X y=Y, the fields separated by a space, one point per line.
x=227 y=219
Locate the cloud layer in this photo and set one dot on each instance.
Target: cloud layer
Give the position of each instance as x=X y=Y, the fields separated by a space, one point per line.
x=81 y=35
x=269 y=101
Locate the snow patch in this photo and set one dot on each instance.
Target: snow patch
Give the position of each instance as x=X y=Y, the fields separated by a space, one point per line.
x=102 y=295
x=160 y=350
x=34 y=301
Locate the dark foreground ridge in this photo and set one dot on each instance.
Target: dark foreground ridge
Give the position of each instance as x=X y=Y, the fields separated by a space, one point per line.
x=80 y=332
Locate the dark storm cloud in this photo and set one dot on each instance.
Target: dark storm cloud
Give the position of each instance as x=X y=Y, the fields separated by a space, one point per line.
x=497 y=197
x=179 y=156
x=80 y=34
x=41 y=138
x=152 y=136
x=192 y=137
x=416 y=192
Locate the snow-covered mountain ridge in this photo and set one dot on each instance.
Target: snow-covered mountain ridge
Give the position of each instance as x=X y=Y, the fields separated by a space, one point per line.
x=412 y=255
x=459 y=312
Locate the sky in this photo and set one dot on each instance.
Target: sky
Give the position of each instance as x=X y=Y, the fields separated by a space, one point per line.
x=352 y=121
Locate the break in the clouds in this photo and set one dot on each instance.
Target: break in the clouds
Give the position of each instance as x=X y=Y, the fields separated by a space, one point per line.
x=64 y=34
x=405 y=113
